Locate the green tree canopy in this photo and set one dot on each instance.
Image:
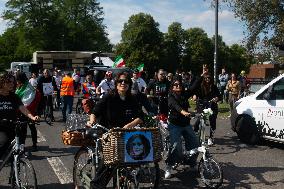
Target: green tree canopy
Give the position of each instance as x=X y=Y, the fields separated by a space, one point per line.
x=141 y=41
x=264 y=21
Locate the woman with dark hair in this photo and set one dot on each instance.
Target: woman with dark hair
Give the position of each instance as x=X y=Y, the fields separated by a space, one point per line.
x=117 y=109
x=138 y=147
x=30 y=97
x=120 y=108
x=179 y=123
x=10 y=104
x=207 y=96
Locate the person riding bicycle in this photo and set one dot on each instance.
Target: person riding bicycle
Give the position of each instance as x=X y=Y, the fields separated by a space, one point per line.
x=87 y=86
x=117 y=109
x=106 y=86
x=10 y=104
x=159 y=88
x=179 y=124
x=46 y=86
x=207 y=96
x=30 y=98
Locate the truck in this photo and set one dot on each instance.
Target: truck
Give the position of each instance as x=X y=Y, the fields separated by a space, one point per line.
x=26 y=67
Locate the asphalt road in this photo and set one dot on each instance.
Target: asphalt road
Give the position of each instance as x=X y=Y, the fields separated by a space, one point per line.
x=244 y=166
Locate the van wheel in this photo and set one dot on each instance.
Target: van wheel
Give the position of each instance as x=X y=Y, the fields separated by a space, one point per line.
x=247 y=130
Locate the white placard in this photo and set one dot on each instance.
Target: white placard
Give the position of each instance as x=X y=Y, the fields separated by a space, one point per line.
x=47 y=89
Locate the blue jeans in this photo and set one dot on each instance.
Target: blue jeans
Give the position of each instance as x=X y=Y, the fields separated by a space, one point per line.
x=176 y=151
x=67 y=102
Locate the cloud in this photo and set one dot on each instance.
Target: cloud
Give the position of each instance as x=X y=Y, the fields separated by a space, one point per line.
x=195 y=14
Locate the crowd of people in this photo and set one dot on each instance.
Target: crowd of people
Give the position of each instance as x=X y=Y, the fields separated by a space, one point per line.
x=123 y=100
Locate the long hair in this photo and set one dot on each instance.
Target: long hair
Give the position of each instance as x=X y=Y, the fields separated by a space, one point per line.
x=4 y=77
x=206 y=88
x=128 y=78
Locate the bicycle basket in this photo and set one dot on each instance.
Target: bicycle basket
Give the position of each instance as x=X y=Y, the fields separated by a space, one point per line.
x=132 y=146
x=76 y=121
x=76 y=138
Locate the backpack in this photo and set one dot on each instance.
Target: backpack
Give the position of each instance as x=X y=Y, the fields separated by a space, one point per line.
x=87 y=105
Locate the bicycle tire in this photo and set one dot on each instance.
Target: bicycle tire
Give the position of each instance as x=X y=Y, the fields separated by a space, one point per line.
x=47 y=115
x=148 y=177
x=24 y=166
x=83 y=167
x=210 y=172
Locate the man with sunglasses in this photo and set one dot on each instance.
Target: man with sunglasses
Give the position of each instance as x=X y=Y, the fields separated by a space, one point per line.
x=158 y=90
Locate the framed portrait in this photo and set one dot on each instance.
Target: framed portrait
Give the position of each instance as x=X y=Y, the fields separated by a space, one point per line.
x=138 y=147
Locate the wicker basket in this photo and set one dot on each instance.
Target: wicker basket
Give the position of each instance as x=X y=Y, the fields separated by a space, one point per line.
x=76 y=138
x=114 y=145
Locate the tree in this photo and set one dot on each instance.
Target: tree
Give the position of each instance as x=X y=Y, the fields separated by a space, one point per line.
x=198 y=50
x=264 y=21
x=141 y=42
x=58 y=24
x=173 y=44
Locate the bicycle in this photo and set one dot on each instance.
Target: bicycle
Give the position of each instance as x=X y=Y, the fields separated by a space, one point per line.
x=47 y=110
x=209 y=169
x=79 y=106
x=88 y=161
x=21 y=168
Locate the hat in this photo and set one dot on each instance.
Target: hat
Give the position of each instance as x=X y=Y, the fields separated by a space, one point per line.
x=243 y=72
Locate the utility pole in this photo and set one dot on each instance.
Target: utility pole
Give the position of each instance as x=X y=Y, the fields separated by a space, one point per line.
x=216 y=42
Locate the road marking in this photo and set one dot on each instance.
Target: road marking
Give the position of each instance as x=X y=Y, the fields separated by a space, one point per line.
x=60 y=170
x=40 y=137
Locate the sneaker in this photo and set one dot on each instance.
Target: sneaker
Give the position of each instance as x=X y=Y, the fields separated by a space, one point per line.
x=210 y=141
x=168 y=172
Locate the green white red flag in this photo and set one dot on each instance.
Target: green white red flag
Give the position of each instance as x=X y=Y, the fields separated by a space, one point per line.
x=140 y=68
x=119 y=62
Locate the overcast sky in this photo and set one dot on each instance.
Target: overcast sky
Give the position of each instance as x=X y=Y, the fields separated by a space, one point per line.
x=190 y=13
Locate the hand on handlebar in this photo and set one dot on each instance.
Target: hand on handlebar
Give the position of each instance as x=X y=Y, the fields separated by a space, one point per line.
x=35 y=118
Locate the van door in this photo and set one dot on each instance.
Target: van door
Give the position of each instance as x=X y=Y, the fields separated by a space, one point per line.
x=269 y=114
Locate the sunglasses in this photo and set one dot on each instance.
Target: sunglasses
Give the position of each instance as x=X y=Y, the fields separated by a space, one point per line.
x=123 y=81
x=177 y=84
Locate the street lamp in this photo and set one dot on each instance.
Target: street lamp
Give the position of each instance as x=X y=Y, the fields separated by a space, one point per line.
x=216 y=42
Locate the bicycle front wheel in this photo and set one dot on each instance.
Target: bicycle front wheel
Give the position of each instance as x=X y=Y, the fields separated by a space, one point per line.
x=83 y=170
x=210 y=172
x=26 y=176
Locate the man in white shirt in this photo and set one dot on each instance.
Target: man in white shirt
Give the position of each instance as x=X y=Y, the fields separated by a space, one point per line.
x=106 y=85
x=33 y=80
x=141 y=83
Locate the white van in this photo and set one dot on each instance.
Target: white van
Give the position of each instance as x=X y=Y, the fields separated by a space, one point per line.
x=261 y=115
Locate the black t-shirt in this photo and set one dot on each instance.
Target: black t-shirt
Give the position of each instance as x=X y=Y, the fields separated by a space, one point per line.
x=112 y=111
x=160 y=90
x=9 y=106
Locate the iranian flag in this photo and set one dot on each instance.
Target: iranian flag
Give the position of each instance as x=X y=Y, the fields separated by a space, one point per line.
x=119 y=62
x=140 y=68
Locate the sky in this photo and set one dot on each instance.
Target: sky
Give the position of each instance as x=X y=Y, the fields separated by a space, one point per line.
x=190 y=13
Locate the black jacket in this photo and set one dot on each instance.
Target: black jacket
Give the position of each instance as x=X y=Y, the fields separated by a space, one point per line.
x=112 y=111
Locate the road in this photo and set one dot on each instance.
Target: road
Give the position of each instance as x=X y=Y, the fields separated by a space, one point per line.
x=244 y=166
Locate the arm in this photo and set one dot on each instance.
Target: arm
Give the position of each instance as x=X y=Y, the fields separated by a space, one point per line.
x=27 y=113
x=173 y=104
x=133 y=123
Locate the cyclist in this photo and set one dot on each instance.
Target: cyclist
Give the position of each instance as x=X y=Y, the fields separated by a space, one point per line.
x=118 y=109
x=9 y=106
x=46 y=86
x=30 y=98
x=207 y=96
x=106 y=86
x=86 y=86
x=179 y=123
x=159 y=88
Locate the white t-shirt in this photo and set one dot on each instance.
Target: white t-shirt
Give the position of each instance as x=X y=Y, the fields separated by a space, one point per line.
x=33 y=82
x=106 y=86
x=141 y=83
